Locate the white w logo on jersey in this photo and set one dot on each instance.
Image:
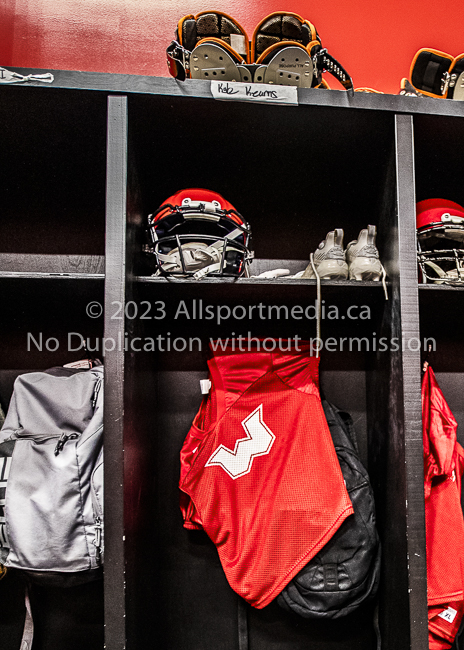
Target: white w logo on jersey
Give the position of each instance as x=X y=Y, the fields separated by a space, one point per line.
x=258 y=442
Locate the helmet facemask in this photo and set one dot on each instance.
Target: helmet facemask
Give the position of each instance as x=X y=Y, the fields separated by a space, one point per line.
x=199 y=235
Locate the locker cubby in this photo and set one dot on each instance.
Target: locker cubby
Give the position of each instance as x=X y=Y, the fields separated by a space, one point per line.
x=41 y=319
x=164 y=398
x=294 y=175
x=439 y=168
x=441 y=315
x=53 y=164
x=438 y=157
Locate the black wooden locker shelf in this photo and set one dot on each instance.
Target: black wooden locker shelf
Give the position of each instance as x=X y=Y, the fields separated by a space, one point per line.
x=84 y=161
x=83 y=265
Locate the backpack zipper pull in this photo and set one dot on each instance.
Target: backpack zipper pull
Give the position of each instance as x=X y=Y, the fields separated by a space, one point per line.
x=95 y=392
x=97 y=540
x=63 y=440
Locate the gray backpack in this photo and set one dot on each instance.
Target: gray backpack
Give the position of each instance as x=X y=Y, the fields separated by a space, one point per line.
x=51 y=476
x=345 y=573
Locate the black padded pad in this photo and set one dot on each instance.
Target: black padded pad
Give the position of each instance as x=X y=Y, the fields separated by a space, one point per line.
x=207 y=25
x=428 y=72
x=281 y=27
x=189 y=34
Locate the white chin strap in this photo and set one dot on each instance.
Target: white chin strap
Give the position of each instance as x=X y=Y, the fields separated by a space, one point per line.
x=445 y=277
x=199 y=258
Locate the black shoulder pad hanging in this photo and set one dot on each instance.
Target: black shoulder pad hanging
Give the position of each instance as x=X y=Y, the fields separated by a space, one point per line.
x=438 y=74
x=428 y=71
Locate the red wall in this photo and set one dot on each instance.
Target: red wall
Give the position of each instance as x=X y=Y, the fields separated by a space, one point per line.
x=374 y=41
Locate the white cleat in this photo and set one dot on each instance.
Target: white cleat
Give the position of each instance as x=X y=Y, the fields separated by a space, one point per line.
x=329 y=258
x=363 y=257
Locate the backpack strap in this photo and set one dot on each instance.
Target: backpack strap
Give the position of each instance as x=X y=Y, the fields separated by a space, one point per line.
x=28 y=630
x=458 y=639
x=346 y=421
x=242 y=623
x=376 y=625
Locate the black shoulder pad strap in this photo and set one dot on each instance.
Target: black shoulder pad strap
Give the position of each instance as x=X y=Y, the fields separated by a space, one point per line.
x=189 y=33
x=324 y=62
x=178 y=60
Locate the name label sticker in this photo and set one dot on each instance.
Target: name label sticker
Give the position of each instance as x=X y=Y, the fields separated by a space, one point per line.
x=261 y=93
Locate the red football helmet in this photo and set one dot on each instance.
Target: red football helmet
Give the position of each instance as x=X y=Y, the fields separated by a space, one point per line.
x=196 y=232
x=440 y=241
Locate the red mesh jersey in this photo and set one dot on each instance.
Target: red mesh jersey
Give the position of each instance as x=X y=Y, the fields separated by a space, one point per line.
x=443 y=468
x=259 y=472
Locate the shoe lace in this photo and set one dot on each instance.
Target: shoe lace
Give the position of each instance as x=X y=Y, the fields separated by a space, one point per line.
x=319 y=304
